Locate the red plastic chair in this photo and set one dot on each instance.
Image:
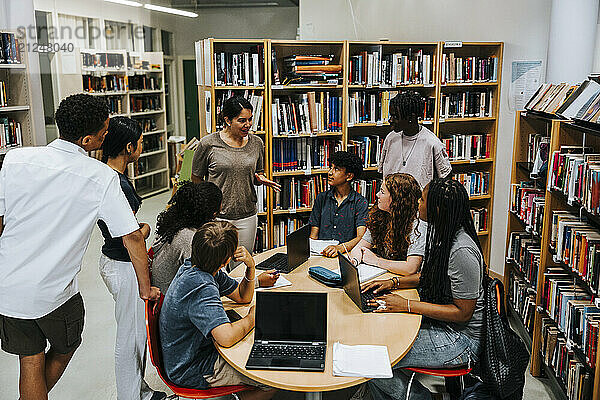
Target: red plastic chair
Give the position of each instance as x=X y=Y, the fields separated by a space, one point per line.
x=152 y=314
x=454 y=388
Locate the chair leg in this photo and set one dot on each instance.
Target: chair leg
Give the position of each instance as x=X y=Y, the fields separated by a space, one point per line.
x=410 y=385
x=455 y=387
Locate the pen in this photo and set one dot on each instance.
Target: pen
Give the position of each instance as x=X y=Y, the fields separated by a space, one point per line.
x=352 y=259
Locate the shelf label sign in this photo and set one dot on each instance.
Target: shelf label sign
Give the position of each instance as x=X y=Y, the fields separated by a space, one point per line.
x=453 y=43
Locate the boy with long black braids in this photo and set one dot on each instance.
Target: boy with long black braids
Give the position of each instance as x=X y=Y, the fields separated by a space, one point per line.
x=451 y=291
x=412 y=148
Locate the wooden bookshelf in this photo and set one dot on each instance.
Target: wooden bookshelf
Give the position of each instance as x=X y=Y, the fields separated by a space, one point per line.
x=151 y=176
x=343 y=51
x=467 y=125
x=560 y=133
x=18 y=92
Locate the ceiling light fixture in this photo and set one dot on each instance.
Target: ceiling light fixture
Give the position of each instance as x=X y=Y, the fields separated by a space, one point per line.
x=264 y=4
x=126 y=2
x=170 y=10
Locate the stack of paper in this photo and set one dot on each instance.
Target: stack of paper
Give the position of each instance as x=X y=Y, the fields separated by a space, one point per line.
x=365 y=361
x=366 y=272
x=317 y=246
x=280 y=282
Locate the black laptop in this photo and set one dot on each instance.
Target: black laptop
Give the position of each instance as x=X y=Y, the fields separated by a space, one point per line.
x=351 y=284
x=290 y=331
x=298 y=251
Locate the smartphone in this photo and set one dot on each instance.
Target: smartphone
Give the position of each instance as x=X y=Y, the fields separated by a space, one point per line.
x=233 y=315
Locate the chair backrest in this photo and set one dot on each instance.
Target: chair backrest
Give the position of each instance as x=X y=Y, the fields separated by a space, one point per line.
x=152 y=331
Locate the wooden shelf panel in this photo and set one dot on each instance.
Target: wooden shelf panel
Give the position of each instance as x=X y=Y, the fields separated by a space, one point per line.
x=301 y=172
x=380 y=87
x=467 y=119
x=260 y=87
x=477 y=161
x=463 y=84
x=14 y=108
x=292 y=211
x=146 y=174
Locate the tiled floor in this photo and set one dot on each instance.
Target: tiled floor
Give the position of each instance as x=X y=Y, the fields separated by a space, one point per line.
x=90 y=375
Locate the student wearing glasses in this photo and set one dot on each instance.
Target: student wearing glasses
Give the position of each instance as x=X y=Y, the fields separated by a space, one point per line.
x=412 y=148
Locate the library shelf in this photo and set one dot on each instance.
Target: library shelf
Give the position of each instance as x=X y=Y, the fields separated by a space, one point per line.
x=313 y=171
x=370 y=168
x=118 y=115
x=14 y=108
x=476 y=161
x=467 y=119
x=141 y=92
x=137 y=114
x=518 y=323
x=153 y=132
x=148 y=193
x=262 y=213
x=260 y=87
x=380 y=87
x=305 y=87
x=312 y=135
x=483 y=233
x=108 y=93
x=155 y=172
x=13 y=66
x=152 y=153
x=480 y=197
x=292 y=210
x=462 y=84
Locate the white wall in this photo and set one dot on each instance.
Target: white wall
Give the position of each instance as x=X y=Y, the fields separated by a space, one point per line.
x=523 y=26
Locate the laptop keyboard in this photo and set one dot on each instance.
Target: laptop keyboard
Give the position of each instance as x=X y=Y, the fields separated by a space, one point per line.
x=365 y=297
x=288 y=351
x=279 y=263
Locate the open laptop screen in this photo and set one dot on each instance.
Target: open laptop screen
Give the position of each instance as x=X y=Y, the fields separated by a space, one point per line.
x=291 y=316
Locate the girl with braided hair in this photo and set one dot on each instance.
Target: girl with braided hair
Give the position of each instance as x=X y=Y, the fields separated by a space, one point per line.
x=395 y=238
x=192 y=205
x=450 y=285
x=412 y=148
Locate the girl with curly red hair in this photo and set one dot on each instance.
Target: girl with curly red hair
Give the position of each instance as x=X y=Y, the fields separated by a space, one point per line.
x=394 y=238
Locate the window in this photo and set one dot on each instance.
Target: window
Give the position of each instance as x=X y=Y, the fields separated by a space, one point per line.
x=148 y=38
x=166 y=39
x=119 y=35
x=81 y=31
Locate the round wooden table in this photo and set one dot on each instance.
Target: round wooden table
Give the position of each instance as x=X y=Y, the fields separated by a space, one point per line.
x=346 y=324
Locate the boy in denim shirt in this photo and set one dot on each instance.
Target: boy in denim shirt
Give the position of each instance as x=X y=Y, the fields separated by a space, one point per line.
x=193 y=316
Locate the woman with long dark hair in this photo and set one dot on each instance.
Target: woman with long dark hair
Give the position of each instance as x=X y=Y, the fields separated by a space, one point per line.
x=192 y=205
x=450 y=286
x=234 y=160
x=393 y=239
x=123 y=145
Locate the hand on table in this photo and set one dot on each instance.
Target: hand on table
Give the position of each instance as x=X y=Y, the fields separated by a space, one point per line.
x=268 y=278
x=330 y=251
x=389 y=303
x=378 y=286
x=243 y=255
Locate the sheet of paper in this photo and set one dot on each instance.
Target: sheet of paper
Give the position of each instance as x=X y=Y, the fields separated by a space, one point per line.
x=317 y=246
x=366 y=272
x=525 y=81
x=280 y=282
x=366 y=361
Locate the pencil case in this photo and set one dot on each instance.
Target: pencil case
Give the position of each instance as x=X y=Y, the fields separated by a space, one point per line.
x=325 y=276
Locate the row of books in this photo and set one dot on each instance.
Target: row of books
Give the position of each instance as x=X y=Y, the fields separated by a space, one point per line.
x=583 y=104
x=3 y=94
x=153 y=143
x=10 y=51
x=367 y=188
x=403 y=68
x=307 y=69
x=261 y=242
x=10 y=133
x=476 y=183
x=474 y=146
x=303 y=154
x=524 y=254
x=143 y=82
x=103 y=60
x=107 y=83
x=261 y=198
x=368 y=107
x=115 y=105
x=573 y=311
x=283 y=226
x=297 y=192
x=471 y=103
x=368 y=148
x=255 y=97
x=527 y=203
x=469 y=69
x=480 y=216
x=240 y=69
x=550 y=97
x=538 y=147
x=577 y=176
x=145 y=103
x=147 y=124
x=303 y=114
x=558 y=354
x=577 y=245
x=522 y=300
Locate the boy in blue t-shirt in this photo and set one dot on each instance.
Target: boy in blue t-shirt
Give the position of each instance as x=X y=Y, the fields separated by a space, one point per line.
x=340 y=213
x=193 y=316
